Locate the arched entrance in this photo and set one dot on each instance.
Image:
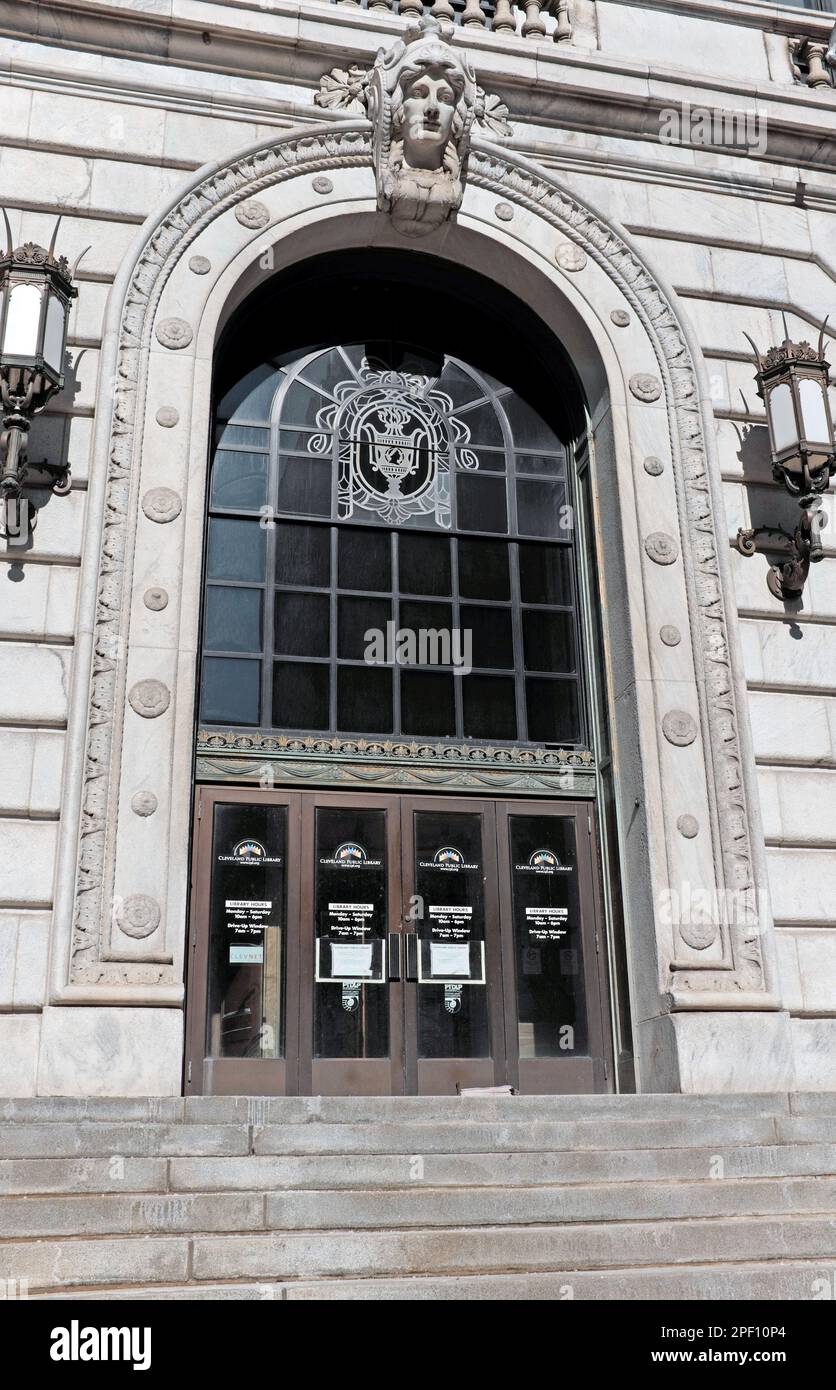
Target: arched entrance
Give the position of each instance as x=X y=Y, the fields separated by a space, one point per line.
x=395 y=580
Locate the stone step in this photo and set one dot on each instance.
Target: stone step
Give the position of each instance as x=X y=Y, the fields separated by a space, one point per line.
x=799 y=1280
x=247 y=1173
x=450 y=1251
x=286 y=1110
x=416 y=1206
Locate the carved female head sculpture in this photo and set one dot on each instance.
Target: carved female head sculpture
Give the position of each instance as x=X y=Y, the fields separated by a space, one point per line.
x=422 y=100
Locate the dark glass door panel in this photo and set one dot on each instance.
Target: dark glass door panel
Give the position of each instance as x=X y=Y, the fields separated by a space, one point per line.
x=248 y=932
x=351 y=1000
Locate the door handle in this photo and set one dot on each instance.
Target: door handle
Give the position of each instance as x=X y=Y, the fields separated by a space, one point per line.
x=411 y=938
x=394 y=954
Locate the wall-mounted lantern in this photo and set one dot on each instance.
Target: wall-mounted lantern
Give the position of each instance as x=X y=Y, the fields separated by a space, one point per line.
x=792 y=381
x=36 y=291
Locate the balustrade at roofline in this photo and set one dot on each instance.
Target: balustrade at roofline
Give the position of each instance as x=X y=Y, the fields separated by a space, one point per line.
x=525 y=17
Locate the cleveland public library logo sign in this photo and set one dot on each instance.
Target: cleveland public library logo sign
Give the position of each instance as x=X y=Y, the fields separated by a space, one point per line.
x=250 y=852
x=543 y=861
x=350 y=855
x=449 y=859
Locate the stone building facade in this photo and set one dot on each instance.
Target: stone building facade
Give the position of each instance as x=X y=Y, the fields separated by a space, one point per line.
x=651 y=181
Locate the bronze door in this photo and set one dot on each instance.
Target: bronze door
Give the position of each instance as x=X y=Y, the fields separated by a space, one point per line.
x=380 y=944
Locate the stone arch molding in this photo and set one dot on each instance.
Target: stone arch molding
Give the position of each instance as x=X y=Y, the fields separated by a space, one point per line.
x=120 y=926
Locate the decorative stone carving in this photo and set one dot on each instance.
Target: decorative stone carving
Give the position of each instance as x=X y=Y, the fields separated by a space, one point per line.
x=156 y=599
x=167 y=416
x=143 y=803
x=200 y=265
x=504 y=212
x=729 y=785
x=661 y=548
x=811 y=59
x=252 y=214
x=620 y=318
x=653 y=466
x=173 y=333
x=645 y=387
x=688 y=826
x=698 y=935
x=150 y=698
x=679 y=728
x=138 y=915
x=344 y=89
x=570 y=257
x=322 y=184
x=670 y=635
x=161 y=504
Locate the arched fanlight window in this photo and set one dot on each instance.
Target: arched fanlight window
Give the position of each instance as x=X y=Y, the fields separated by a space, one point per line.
x=372 y=489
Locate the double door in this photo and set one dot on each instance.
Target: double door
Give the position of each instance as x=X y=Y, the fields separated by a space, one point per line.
x=381 y=944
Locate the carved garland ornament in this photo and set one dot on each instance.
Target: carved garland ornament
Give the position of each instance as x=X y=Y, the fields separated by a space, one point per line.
x=509 y=178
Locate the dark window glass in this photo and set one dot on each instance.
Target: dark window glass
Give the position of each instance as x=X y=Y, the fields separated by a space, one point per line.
x=541 y=508
x=303 y=625
x=365 y=560
x=251 y=398
x=424 y=565
x=553 y=466
x=491 y=639
x=242 y=437
x=305 y=486
x=303 y=555
x=230 y=691
x=529 y=430
x=233 y=619
x=364 y=699
x=355 y=618
x=545 y=574
x=239 y=481
x=484 y=427
x=428 y=704
x=548 y=641
x=481 y=503
x=483 y=569
x=552 y=708
x=430 y=626
x=300 y=695
x=301 y=405
x=236 y=550
x=489 y=707
x=459 y=385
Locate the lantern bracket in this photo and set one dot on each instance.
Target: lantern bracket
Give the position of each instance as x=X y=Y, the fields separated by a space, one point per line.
x=786 y=579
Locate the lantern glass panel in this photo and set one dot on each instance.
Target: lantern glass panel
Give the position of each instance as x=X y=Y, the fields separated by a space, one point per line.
x=782 y=417
x=23 y=321
x=814 y=414
x=54 y=333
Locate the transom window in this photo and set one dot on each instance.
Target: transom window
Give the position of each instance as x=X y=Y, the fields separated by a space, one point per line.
x=366 y=494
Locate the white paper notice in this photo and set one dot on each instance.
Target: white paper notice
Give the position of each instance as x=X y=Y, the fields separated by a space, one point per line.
x=449 y=958
x=350 y=962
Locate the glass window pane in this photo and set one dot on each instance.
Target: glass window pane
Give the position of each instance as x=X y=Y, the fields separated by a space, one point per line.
x=491 y=639
x=54 y=333
x=481 y=503
x=305 y=486
x=545 y=574
x=541 y=508
x=251 y=398
x=529 y=430
x=548 y=641
x=233 y=619
x=239 y=480
x=426 y=633
x=302 y=624
x=489 y=707
x=243 y=437
x=301 y=405
x=813 y=412
x=295 y=441
x=357 y=617
x=483 y=427
x=236 y=550
x=364 y=700
x=551 y=465
x=303 y=555
x=230 y=691
x=782 y=415
x=248 y=932
x=365 y=560
x=483 y=569
x=300 y=695
x=459 y=384
x=424 y=565
x=23 y=321
x=428 y=705
x=326 y=370
x=553 y=712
